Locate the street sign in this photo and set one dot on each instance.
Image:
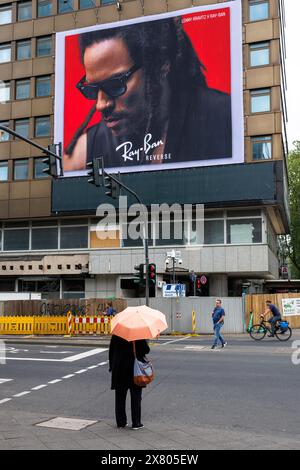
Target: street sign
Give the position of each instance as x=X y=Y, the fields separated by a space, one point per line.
x=174 y=290
x=203 y=280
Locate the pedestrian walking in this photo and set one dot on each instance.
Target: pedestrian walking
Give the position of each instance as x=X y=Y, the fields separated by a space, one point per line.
x=121 y=366
x=218 y=317
x=109 y=310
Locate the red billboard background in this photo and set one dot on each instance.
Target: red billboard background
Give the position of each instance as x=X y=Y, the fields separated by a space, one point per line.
x=209 y=32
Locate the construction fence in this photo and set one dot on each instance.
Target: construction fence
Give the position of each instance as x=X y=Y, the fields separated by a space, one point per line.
x=256 y=304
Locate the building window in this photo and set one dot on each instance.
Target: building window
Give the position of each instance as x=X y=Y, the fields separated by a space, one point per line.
x=261 y=100
x=107 y=2
x=83 y=4
x=5 y=14
x=43 y=86
x=44 y=46
x=4 y=136
x=44 y=8
x=262 y=147
x=5 y=53
x=42 y=126
x=21 y=169
x=73 y=237
x=258 y=10
x=22 y=89
x=259 y=54
x=73 y=288
x=65 y=5
x=4 y=170
x=39 y=166
x=44 y=238
x=23 y=50
x=24 y=11
x=4 y=92
x=22 y=127
x=244 y=231
x=16 y=240
x=214 y=232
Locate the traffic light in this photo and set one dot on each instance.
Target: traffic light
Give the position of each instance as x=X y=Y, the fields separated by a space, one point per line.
x=198 y=283
x=93 y=172
x=50 y=165
x=111 y=186
x=152 y=274
x=139 y=275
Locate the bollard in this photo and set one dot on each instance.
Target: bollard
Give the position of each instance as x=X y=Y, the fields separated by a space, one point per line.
x=193 y=322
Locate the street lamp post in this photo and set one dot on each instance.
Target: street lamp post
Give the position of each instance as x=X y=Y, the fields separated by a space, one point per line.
x=175 y=257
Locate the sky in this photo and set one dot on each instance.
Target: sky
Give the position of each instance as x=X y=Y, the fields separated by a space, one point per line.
x=292 y=9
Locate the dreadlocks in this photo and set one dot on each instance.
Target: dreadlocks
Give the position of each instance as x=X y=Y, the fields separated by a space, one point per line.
x=152 y=45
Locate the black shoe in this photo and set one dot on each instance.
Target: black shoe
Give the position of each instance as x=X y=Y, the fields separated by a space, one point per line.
x=224 y=345
x=213 y=347
x=138 y=426
x=121 y=427
x=271 y=336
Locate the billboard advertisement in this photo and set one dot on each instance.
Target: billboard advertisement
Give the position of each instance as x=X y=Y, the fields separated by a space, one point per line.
x=154 y=93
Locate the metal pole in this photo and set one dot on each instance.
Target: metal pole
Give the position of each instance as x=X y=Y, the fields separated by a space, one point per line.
x=174 y=271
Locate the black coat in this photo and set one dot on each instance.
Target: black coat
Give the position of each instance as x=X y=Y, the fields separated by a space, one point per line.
x=121 y=360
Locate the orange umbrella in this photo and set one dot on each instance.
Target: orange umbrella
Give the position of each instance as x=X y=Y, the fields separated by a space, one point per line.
x=138 y=323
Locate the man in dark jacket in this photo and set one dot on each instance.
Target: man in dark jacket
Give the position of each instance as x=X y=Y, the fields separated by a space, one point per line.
x=149 y=86
x=121 y=363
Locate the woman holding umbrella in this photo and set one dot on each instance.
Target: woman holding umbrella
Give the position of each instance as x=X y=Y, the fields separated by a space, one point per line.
x=131 y=328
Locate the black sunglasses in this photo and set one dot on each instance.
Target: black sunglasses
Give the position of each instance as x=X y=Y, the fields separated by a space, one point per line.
x=112 y=87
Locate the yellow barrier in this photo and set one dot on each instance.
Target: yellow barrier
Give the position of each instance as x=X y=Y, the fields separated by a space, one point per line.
x=41 y=325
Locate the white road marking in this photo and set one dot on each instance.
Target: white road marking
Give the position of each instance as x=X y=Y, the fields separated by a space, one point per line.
x=55 y=352
x=55 y=381
x=30 y=359
x=92 y=367
x=102 y=363
x=39 y=387
x=77 y=357
x=21 y=394
x=175 y=341
x=3 y=381
x=68 y=376
x=67 y=423
x=81 y=371
x=5 y=400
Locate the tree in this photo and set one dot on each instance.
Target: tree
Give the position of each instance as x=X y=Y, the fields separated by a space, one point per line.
x=290 y=244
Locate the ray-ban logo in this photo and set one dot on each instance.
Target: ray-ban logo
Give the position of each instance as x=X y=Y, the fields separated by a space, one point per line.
x=296 y=353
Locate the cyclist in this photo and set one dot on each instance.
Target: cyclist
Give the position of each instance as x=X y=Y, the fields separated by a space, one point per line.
x=271 y=308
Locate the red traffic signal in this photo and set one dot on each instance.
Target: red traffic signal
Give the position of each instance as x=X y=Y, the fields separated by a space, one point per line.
x=198 y=283
x=152 y=273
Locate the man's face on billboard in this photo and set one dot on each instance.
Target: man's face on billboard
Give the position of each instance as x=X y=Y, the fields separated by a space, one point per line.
x=125 y=115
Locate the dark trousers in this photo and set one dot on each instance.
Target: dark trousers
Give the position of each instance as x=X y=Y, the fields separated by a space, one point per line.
x=273 y=322
x=120 y=405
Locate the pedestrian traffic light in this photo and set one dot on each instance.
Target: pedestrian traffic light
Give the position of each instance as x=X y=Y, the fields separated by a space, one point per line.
x=93 y=172
x=152 y=274
x=198 y=283
x=50 y=165
x=139 y=275
x=111 y=186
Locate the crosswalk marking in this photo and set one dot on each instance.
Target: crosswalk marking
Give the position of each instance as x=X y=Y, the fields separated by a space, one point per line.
x=2 y=381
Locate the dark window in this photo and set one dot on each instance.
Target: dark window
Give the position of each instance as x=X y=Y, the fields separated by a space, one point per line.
x=20 y=170
x=44 y=46
x=65 y=5
x=24 y=11
x=246 y=231
x=42 y=126
x=16 y=240
x=39 y=166
x=44 y=8
x=23 y=50
x=262 y=147
x=22 y=89
x=73 y=237
x=259 y=54
x=107 y=2
x=214 y=232
x=44 y=238
x=4 y=170
x=261 y=100
x=258 y=10
x=43 y=86
x=22 y=127
x=7 y=285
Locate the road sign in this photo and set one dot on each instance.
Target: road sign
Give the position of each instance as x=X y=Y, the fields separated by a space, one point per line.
x=174 y=290
x=203 y=280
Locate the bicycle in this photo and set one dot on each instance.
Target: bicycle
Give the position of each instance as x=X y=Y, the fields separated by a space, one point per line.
x=258 y=332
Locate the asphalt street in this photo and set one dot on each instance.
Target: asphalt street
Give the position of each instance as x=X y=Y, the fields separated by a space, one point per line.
x=243 y=397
